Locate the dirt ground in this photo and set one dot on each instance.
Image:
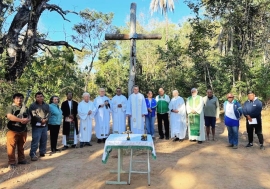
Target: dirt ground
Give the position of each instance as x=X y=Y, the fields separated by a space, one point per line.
x=178 y=165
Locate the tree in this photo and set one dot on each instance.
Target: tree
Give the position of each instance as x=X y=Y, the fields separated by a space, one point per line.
x=90 y=34
x=22 y=40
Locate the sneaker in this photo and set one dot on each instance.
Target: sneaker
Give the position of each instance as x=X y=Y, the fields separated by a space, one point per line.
x=34 y=158
x=230 y=145
x=249 y=145
x=12 y=166
x=235 y=147
x=262 y=147
x=23 y=162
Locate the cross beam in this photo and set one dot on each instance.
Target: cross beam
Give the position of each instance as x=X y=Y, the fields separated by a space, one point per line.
x=132 y=36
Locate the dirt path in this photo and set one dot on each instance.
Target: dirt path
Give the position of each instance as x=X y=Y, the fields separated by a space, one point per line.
x=178 y=165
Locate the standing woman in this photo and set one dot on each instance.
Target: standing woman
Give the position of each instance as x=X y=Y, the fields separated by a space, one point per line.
x=151 y=105
x=55 y=120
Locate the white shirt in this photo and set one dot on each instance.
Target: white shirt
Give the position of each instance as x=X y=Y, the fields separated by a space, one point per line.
x=230 y=111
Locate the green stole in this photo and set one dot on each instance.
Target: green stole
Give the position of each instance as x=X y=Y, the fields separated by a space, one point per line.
x=194 y=119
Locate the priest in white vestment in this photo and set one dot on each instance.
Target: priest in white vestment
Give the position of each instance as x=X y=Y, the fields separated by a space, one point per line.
x=195 y=113
x=102 y=117
x=178 y=123
x=86 y=112
x=119 y=106
x=136 y=110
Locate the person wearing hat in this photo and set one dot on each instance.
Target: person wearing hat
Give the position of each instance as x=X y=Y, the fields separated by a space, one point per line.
x=252 y=111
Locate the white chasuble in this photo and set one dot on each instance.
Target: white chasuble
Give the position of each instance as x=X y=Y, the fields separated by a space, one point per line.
x=136 y=107
x=102 y=117
x=86 y=120
x=119 y=113
x=178 y=120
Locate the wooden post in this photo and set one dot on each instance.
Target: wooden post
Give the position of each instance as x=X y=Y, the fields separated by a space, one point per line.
x=133 y=36
x=132 y=66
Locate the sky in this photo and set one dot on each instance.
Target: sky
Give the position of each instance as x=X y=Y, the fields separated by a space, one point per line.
x=59 y=29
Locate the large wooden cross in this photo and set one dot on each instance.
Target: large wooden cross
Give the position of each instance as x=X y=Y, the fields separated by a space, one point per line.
x=132 y=36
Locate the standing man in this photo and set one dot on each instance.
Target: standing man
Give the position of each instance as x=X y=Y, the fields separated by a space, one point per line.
x=18 y=116
x=119 y=106
x=162 y=113
x=178 y=117
x=70 y=122
x=102 y=117
x=211 y=112
x=86 y=112
x=136 y=110
x=195 y=117
x=252 y=111
x=39 y=112
x=232 y=114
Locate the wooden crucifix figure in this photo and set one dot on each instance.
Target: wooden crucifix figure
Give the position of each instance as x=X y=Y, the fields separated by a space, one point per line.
x=133 y=36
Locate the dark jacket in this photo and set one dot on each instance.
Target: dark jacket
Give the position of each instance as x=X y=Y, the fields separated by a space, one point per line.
x=66 y=112
x=253 y=109
x=39 y=112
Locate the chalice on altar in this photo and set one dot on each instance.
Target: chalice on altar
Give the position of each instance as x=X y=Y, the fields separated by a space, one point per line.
x=144 y=137
x=128 y=132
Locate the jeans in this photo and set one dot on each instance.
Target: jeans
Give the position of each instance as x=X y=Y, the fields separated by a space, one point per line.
x=15 y=139
x=233 y=135
x=39 y=139
x=150 y=125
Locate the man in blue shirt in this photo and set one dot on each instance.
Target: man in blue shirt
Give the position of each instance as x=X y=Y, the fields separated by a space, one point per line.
x=252 y=111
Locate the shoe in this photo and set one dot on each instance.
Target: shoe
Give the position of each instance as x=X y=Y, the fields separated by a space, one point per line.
x=175 y=139
x=167 y=138
x=65 y=147
x=99 y=141
x=161 y=137
x=249 y=145
x=34 y=158
x=12 y=166
x=192 y=140
x=23 y=162
x=181 y=140
x=104 y=140
x=42 y=155
x=199 y=142
x=230 y=145
x=262 y=147
x=81 y=144
x=57 y=150
x=88 y=144
x=73 y=146
x=235 y=147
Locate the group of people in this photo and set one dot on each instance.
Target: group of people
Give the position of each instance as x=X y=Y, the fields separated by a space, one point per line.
x=196 y=113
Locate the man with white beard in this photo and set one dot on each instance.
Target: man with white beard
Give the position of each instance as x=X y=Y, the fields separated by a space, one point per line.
x=136 y=110
x=119 y=106
x=177 y=109
x=86 y=112
x=102 y=117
